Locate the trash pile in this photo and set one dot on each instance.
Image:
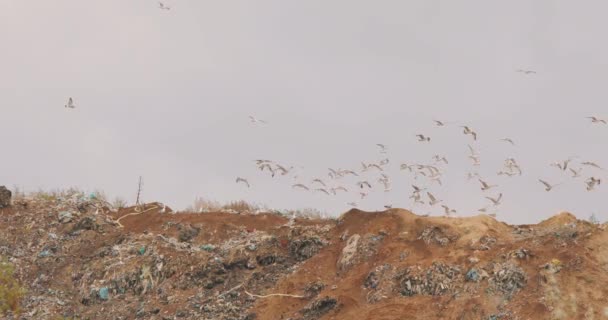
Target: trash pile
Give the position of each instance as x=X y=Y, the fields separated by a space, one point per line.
x=74 y=256
x=436 y=280
x=437 y=235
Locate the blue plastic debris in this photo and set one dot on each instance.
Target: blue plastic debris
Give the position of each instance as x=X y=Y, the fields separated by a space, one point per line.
x=472 y=275
x=44 y=254
x=208 y=247
x=142 y=250
x=104 y=293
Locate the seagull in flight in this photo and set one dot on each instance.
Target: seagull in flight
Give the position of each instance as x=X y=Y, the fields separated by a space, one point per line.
x=423 y=138
x=485 y=186
x=340 y=188
x=495 y=201
x=70 y=104
x=526 y=71
x=439 y=123
x=162 y=6
x=548 y=186
x=301 y=186
x=467 y=130
x=322 y=190
x=239 y=179
x=319 y=181
x=382 y=147
x=591 y=164
x=432 y=200
x=256 y=121
x=361 y=184
x=439 y=158
x=592 y=182
x=576 y=173
x=508 y=140
x=596 y=120
x=447 y=210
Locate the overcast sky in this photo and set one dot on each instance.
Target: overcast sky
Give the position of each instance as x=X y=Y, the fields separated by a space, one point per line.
x=166 y=94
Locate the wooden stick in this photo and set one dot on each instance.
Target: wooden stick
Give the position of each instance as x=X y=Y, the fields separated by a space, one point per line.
x=275 y=295
x=133 y=214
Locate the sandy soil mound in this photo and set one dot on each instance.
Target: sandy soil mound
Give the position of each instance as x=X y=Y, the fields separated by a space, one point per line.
x=78 y=259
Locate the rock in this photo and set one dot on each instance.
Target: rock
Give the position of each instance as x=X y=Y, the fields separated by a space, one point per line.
x=5 y=197
x=65 y=216
x=349 y=252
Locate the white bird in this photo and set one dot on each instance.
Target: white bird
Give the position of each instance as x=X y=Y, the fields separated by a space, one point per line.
x=436 y=179
x=423 y=138
x=447 y=210
x=485 y=186
x=526 y=71
x=319 y=181
x=495 y=201
x=322 y=190
x=70 y=104
x=255 y=120
x=576 y=173
x=471 y=175
x=361 y=184
x=301 y=186
x=373 y=165
x=432 y=200
x=439 y=123
x=417 y=189
x=548 y=186
x=352 y=204
x=439 y=158
x=405 y=166
x=596 y=120
x=163 y=6
x=267 y=166
x=512 y=165
x=592 y=182
x=345 y=172
x=591 y=164
x=363 y=194
x=283 y=170
x=467 y=130
x=339 y=188
x=562 y=165
x=239 y=179
x=508 y=140
x=382 y=147
x=388 y=206
x=505 y=173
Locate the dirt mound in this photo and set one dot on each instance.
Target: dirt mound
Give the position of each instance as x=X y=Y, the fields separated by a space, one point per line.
x=78 y=258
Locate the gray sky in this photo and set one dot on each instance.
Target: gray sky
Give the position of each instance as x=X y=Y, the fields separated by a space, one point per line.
x=167 y=95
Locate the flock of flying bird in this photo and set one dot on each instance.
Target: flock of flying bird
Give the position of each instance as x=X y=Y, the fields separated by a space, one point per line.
x=430 y=173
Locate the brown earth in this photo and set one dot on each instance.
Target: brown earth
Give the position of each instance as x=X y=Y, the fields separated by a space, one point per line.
x=364 y=265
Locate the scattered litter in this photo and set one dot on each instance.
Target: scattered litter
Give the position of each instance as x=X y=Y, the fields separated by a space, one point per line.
x=65 y=216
